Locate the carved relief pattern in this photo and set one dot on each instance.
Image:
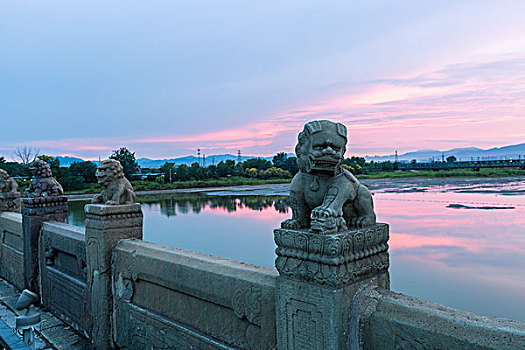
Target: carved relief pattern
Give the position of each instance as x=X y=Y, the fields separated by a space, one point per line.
x=332 y=259
x=247 y=303
x=51 y=208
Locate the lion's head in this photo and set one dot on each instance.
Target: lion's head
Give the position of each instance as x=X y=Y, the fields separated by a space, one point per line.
x=39 y=168
x=321 y=147
x=3 y=175
x=108 y=170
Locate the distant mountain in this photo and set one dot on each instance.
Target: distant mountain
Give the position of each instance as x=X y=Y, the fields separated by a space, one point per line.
x=507 y=152
x=188 y=160
x=67 y=161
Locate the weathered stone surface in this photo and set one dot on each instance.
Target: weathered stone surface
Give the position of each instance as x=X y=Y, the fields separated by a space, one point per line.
x=52 y=334
x=105 y=226
x=172 y=298
x=319 y=275
x=333 y=260
x=12 y=248
x=396 y=321
x=37 y=210
x=64 y=274
x=325 y=197
x=43 y=184
x=117 y=189
x=9 y=195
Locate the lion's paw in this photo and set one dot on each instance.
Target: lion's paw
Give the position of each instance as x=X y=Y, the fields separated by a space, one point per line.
x=364 y=221
x=292 y=224
x=324 y=212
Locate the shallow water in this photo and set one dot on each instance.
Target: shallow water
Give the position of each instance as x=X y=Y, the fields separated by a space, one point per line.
x=457 y=242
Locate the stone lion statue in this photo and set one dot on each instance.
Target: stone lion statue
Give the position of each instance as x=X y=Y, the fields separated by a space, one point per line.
x=7 y=184
x=9 y=195
x=117 y=189
x=43 y=184
x=324 y=196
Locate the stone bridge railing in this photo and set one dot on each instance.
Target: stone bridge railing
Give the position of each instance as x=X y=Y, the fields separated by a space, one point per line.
x=328 y=292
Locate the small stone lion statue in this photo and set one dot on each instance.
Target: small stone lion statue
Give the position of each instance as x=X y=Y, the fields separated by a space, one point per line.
x=324 y=196
x=9 y=195
x=117 y=189
x=43 y=184
x=7 y=184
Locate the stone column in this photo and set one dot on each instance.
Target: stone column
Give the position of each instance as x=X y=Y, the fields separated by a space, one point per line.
x=319 y=275
x=34 y=213
x=105 y=226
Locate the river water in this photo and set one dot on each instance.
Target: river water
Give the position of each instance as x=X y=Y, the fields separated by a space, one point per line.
x=457 y=242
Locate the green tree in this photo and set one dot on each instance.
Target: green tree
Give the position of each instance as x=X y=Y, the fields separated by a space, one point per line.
x=251 y=172
x=182 y=173
x=451 y=159
x=85 y=169
x=196 y=172
x=279 y=160
x=257 y=163
x=226 y=168
x=127 y=160
x=168 y=169
x=274 y=172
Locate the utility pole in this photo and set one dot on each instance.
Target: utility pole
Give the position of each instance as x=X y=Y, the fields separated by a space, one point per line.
x=443 y=157
x=239 y=156
x=199 y=156
x=203 y=160
x=396 y=157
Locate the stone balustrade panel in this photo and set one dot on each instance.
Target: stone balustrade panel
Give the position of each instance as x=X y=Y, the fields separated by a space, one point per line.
x=382 y=319
x=63 y=274
x=173 y=298
x=12 y=248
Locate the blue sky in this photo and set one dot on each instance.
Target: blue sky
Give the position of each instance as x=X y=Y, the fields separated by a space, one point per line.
x=166 y=77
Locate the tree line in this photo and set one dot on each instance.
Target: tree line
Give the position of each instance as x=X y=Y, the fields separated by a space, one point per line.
x=80 y=175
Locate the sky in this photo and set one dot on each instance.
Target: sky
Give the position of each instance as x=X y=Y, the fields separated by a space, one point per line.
x=163 y=78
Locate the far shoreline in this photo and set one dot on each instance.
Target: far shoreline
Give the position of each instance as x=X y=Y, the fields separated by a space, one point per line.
x=282 y=187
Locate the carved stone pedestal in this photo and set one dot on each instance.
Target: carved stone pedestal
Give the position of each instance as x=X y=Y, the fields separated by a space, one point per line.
x=10 y=201
x=319 y=275
x=105 y=226
x=35 y=212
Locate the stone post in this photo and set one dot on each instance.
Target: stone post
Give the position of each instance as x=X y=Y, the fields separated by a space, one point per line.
x=105 y=226
x=10 y=201
x=35 y=212
x=319 y=275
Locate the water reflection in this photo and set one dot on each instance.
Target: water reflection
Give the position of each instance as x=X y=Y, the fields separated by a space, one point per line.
x=196 y=203
x=446 y=244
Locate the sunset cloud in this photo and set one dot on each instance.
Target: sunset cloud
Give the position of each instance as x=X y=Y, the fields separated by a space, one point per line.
x=436 y=75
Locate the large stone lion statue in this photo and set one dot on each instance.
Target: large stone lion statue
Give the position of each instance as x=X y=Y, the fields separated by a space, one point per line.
x=43 y=184
x=324 y=196
x=117 y=189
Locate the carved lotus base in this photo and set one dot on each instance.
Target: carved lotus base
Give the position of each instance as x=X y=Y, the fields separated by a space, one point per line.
x=333 y=260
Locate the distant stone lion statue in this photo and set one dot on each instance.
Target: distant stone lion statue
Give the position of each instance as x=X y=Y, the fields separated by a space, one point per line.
x=43 y=184
x=117 y=189
x=9 y=195
x=325 y=197
x=7 y=184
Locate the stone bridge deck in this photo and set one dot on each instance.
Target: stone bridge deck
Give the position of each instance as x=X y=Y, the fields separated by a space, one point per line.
x=52 y=333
